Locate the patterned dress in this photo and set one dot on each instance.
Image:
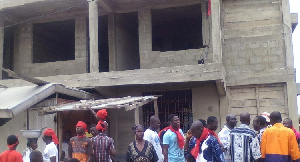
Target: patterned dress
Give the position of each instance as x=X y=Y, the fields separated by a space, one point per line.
x=80 y=148
x=148 y=153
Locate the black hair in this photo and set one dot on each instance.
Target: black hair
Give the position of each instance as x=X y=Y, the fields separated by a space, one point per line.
x=211 y=119
x=171 y=116
x=203 y=122
x=93 y=125
x=275 y=116
x=36 y=156
x=135 y=127
x=12 y=139
x=262 y=120
x=73 y=160
x=30 y=141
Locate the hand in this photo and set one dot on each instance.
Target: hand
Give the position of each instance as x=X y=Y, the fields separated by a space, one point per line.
x=189 y=134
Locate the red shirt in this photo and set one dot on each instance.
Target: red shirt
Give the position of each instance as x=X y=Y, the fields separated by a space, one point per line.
x=11 y=156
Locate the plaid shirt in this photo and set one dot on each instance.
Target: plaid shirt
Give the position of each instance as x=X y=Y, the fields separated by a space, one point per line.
x=102 y=144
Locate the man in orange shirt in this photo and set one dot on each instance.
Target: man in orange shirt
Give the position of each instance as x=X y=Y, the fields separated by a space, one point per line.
x=11 y=155
x=278 y=142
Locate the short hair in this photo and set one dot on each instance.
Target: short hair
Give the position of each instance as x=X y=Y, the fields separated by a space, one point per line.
x=262 y=120
x=135 y=127
x=276 y=116
x=30 y=141
x=228 y=117
x=203 y=122
x=171 y=116
x=73 y=160
x=12 y=139
x=211 y=119
x=36 y=156
x=93 y=125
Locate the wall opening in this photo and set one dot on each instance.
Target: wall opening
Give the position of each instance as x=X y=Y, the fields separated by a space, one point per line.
x=54 y=41
x=172 y=102
x=8 y=50
x=103 y=44
x=127 y=41
x=177 y=28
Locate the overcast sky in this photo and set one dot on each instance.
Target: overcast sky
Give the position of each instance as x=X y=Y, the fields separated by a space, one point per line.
x=294 y=7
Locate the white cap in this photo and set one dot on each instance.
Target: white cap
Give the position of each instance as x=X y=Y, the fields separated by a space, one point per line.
x=266 y=115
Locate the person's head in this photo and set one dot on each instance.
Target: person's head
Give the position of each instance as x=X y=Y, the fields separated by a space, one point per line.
x=287 y=122
x=138 y=130
x=101 y=126
x=32 y=143
x=80 y=128
x=231 y=121
x=203 y=122
x=93 y=130
x=12 y=142
x=154 y=122
x=212 y=123
x=174 y=121
x=73 y=160
x=245 y=118
x=266 y=115
x=197 y=128
x=50 y=136
x=275 y=117
x=67 y=136
x=259 y=122
x=36 y=156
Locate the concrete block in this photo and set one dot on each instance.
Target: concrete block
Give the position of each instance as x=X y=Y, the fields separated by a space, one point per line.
x=228 y=62
x=153 y=54
x=245 y=53
x=277 y=51
x=277 y=65
x=255 y=60
x=240 y=61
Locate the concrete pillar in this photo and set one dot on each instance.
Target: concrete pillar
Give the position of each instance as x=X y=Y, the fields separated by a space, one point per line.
x=216 y=30
x=93 y=33
x=291 y=91
x=1 y=45
x=112 y=43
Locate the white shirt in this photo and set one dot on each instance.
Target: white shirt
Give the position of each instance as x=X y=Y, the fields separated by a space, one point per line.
x=26 y=154
x=50 y=151
x=153 y=138
x=224 y=136
x=65 y=148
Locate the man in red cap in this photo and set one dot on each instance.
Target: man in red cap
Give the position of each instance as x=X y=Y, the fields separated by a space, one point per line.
x=80 y=146
x=50 y=152
x=11 y=155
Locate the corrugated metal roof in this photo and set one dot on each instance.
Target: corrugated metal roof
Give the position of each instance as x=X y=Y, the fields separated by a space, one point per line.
x=17 y=99
x=128 y=103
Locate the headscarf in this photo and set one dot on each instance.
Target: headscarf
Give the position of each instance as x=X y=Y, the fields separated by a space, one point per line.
x=195 y=151
x=102 y=114
x=50 y=132
x=101 y=126
x=82 y=125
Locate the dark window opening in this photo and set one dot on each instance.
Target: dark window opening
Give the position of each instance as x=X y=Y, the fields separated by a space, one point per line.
x=127 y=41
x=103 y=44
x=172 y=102
x=8 y=50
x=54 y=41
x=178 y=28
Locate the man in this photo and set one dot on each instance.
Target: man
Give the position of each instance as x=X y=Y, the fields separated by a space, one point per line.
x=93 y=130
x=244 y=145
x=225 y=137
x=151 y=135
x=212 y=126
x=36 y=156
x=80 y=146
x=11 y=155
x=51 y=140
x=103 y=146
x=173 y=141
x=260 y=125
x=287 y=122
x=31 y=146
x=279 y=143
x=201 y=146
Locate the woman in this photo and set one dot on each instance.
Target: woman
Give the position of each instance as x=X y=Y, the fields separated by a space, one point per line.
x=31 y=146
x=140 y=150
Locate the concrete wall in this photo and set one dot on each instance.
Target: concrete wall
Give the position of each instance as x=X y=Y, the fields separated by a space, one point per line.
x=253 y=36
x=19 y=122
x=23 y=53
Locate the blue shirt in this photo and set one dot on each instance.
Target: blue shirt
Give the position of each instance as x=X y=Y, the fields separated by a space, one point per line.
x=175 y=154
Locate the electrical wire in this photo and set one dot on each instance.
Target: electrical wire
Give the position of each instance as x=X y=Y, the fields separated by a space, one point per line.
x=48 y=14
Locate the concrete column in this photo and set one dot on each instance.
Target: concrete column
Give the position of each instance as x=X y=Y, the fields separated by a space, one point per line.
x=216 y=30
x=112 y=43
x=1 y=45
x=291 y=92
x=287 y=29
x=93 y=33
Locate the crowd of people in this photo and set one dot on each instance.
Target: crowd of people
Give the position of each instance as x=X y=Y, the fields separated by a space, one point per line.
x=270 y=140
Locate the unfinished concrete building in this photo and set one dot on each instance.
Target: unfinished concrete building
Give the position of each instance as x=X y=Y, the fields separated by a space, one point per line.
x=203 y=57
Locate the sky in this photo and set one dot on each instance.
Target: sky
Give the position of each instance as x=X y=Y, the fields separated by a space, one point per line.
x=294 y=8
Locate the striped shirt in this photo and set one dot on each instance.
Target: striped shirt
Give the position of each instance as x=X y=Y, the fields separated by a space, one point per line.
x=244 y=144
x=102 y=144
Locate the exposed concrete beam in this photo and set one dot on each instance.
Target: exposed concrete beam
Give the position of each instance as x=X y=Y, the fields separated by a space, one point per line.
x=294 y=20
x=10 y=3
x=106 y=5
x=221 y=87
x=298 y=88
x=177 y=74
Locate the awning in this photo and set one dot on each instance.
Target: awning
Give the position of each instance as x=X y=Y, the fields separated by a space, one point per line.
x=128 y=103
x=17 y=99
